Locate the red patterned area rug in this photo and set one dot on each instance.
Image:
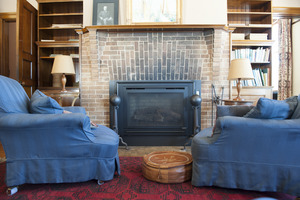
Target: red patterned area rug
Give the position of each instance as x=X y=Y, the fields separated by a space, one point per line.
x=130 y=185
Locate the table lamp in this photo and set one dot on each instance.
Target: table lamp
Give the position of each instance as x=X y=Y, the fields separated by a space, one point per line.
x=240 y=69
x=63 y=65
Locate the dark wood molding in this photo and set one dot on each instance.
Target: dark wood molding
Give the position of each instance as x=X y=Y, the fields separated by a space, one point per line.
x=5 y=18
x=286 y=12
x=8 y=16
x=56 y=1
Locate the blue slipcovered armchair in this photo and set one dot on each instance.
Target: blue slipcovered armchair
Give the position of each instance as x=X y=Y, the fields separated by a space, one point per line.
x=52 y=148
x=257 y=148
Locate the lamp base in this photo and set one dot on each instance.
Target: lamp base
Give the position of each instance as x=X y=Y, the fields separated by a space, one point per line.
x=238 y=88
x=63 y=82
x=238 y=99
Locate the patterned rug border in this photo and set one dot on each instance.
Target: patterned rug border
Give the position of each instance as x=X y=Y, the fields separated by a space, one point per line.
x=132 y=185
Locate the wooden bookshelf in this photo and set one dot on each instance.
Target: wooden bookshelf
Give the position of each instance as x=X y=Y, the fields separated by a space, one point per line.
x=252 y=17
x=57 y=21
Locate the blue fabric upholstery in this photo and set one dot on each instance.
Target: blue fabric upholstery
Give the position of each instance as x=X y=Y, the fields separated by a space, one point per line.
x=42 y=104
x=250 y=154
x=296 y=114
x=55 y=148
x=273 y=109
x=13 y=98
x=233 y=110
x=75 y=109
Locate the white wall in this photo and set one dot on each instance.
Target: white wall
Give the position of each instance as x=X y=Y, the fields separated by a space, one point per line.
x=296 y=58
x=8 y=6
x=193 y=12
x=204 y=12
x=11 y=5
x=33 y=3
x=286 y=3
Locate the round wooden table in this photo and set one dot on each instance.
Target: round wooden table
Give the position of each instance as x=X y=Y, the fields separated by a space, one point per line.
x=167 y=166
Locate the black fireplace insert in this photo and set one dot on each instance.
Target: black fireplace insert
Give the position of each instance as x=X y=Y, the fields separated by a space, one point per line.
x=154 y=112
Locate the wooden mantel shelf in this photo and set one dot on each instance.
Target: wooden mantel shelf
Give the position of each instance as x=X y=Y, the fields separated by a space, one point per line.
x=147 y=27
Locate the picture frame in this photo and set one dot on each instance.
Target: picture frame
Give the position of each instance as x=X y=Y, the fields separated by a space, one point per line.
x=105 y=12
x=154 y=11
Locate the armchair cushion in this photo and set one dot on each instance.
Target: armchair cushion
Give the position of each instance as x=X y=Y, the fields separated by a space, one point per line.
x=42 y=104
x=273 y=109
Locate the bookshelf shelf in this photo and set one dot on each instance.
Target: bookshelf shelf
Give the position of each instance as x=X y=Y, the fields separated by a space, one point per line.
x=258 y=43
x=61 y=14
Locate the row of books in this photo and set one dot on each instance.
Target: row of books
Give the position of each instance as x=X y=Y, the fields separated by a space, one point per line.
x=71 y=40
x=72 y=55
x=254 y=55
x=260 y=78
x=251 y=36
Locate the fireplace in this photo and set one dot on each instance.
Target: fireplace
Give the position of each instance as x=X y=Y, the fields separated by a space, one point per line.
x=154 y=112
x=151 y=53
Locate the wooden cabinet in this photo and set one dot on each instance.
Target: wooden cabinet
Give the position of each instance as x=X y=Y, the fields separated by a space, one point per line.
x=68 y=98
x=253 y=93
x=252 y=37
x=237 y=103
x=57 y=21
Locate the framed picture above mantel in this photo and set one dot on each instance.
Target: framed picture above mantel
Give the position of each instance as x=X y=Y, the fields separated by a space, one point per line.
x=105 y=12
x=154 y=11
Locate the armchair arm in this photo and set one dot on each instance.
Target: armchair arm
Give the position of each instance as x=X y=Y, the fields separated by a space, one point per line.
x=51 y=121
x=233 y=110
x=258 y=140
x=43 y=135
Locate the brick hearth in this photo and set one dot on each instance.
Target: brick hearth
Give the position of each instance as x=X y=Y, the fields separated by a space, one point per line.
x=151 y=55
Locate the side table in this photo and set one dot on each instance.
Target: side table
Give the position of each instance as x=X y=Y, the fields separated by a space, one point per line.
x=167 y=166
x=236 y=103
x=68 y=98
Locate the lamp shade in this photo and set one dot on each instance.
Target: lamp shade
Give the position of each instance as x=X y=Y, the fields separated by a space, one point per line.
x=240 y=69
x=63 y=65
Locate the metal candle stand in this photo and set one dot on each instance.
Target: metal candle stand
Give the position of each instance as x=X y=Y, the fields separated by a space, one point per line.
x=115 y=101
x=195 y=101
x=215 y=100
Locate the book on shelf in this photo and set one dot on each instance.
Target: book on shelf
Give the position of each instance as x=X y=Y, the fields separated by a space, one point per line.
x=42 y=40
x=260 y=78
x=65 y=25
x=265 y=75
x=257 y=36
x=53 y=55
x=74 y=55
x=233 y=25
x=260 y=25
x=238 y=36
x=254 y=55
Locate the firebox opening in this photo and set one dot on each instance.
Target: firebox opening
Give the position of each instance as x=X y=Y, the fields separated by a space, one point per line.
x=154 y=112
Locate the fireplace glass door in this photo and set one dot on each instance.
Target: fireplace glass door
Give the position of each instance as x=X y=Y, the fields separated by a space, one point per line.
x=155 y=109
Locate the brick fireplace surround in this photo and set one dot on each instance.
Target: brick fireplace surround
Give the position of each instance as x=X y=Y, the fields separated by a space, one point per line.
x=194 y=52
